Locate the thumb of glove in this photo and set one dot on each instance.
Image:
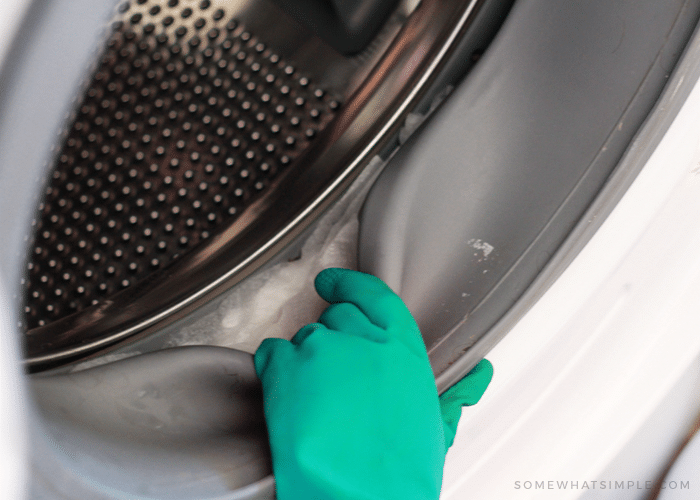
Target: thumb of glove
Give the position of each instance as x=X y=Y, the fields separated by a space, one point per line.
x=466 y=392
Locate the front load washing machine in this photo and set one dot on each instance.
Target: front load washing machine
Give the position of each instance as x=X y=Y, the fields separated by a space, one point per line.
x=175 y=172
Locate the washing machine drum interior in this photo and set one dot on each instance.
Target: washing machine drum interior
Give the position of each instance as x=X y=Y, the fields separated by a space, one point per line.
x=206 y=138
x=215 y=147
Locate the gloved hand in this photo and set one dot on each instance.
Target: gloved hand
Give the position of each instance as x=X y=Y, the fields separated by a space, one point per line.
x=351 y=405
x=466 y=392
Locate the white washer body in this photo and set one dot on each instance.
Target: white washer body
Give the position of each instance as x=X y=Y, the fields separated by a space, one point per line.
x=598 y=384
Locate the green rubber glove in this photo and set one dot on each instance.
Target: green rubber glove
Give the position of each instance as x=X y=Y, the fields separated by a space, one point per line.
x=466 y=392
x=351 y=406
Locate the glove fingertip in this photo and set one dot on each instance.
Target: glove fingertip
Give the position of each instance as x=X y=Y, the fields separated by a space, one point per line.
x=326 y=280
x=483 y=371
x=468 y=391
